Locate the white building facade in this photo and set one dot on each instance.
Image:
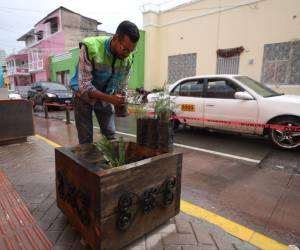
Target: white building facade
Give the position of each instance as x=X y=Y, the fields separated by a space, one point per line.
x=258 y=38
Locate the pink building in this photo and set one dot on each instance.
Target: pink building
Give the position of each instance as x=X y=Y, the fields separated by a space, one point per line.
x=17 y=69
x=58 y=32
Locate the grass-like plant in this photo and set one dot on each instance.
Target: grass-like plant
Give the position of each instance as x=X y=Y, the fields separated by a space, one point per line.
x=115 y=156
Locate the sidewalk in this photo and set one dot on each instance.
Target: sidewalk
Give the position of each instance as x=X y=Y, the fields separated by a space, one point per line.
x=30 y=167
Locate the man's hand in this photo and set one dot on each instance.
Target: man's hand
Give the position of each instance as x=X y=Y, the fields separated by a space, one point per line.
x=117 y=100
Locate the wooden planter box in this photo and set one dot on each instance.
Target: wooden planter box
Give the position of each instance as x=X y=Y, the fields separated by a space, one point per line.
x=16 y=121
x=113 y=207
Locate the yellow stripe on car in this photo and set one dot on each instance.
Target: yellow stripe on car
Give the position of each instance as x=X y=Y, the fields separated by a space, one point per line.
x=188 y=107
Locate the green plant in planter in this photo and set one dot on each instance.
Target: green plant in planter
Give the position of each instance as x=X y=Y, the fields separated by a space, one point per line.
x=114 y=155
x=164 y=106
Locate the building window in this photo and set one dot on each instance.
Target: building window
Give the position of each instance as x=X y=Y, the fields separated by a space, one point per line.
x=228 y=65
x=40 y=35
x=180 y=66
x=53 y=25
x=281 y=63
x=35 y=60
x=228 y=60
x=63 y=77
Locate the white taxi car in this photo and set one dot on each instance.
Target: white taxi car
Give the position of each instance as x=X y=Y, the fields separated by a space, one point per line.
x=223 y=102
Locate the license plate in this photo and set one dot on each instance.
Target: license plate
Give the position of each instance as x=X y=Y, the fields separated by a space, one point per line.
x=188 y=107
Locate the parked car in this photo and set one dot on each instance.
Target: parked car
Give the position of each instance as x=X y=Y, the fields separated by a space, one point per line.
x=14 y=95
x=218 y=99
x=41 y=92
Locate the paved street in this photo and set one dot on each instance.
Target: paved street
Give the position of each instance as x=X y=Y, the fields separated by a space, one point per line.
x=260 y=196
x=249 y=146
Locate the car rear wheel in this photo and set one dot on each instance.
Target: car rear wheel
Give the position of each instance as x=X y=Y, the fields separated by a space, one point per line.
x=286 y=139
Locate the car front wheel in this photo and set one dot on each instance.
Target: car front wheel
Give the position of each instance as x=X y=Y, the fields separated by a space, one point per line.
x=286 y=139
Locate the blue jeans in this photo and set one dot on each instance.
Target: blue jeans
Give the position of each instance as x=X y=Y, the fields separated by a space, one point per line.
x=84 y=119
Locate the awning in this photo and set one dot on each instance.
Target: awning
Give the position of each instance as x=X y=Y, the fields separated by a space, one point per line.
x=230 y=52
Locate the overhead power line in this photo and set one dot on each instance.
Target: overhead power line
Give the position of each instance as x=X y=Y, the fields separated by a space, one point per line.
x=48 y=11
x=20 y=9
x=187 y=9
x=8 y=30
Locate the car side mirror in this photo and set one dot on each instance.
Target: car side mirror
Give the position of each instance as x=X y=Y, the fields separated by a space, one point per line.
x=243 y=95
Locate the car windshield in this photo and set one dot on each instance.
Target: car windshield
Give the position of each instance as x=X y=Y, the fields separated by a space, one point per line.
x=257 y=87
x=54 y=86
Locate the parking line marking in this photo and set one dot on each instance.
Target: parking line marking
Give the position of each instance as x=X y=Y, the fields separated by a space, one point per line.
x=198 y=149
x=218 y=153
x=122 y=133
x=203 y=150
x=52 y=143
x=237 y=230
x=257 y=239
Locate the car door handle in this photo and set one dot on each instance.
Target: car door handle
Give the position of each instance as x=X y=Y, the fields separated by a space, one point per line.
x=210 y=105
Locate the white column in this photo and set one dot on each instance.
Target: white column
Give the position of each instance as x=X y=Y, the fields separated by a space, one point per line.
x=152 y=55
x=14 y=67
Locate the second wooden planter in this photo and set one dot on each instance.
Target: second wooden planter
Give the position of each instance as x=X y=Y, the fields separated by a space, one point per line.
x=155 y=133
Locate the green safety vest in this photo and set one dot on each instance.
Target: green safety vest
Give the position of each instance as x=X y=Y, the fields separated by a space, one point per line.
x=109 y=73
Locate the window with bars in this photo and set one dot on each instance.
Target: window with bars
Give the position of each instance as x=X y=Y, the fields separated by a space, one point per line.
x=35 y=60
x=228 y=65
x=228 y=60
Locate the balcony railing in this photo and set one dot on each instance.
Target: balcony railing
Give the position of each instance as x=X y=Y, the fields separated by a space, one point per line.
x=36 y=65
x=17 y=70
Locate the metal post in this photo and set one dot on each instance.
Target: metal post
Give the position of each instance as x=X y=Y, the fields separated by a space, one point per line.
x=67 y=115
x=46 y=111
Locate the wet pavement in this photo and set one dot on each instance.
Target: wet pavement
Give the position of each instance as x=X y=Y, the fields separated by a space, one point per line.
x=30 y=167
x=253 y=147
x=262 y=197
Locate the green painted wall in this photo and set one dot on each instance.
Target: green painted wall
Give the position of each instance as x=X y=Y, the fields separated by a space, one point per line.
x=136 y=79
x=64 y=65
